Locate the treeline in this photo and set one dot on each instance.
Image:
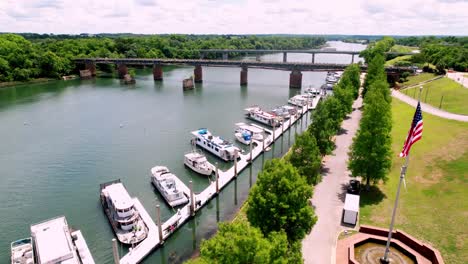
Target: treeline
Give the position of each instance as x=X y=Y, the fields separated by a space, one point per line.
x=22 y=59
x=370 y=154
x=278 y=212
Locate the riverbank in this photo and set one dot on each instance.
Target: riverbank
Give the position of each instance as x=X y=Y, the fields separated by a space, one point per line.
x=18 y=83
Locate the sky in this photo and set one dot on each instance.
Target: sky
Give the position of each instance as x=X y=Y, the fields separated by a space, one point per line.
x=351 y=17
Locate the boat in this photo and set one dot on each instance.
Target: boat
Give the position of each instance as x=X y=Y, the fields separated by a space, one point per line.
x=331 y=79
x=124 y=217
x=198 y=163
x=298 y=100
x=283 y=113
x=166 y=183
x=215 y=144
x=55 y=242
x=313 y=91
x=267 y=118
x=246 y=133
x=22 y=251
x=293 y=111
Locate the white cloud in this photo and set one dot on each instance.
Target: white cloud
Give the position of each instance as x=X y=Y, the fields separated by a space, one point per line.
x=396 y=17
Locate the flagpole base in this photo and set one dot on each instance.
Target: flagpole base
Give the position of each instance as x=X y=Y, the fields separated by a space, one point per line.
x=384 y=261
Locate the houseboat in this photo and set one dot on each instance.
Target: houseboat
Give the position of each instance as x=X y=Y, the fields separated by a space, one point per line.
x=215 y=144
x=125 y=219
x=257 y=114
x=55 y=242
x=22 y=251
x=166 y=183
x=197 y=162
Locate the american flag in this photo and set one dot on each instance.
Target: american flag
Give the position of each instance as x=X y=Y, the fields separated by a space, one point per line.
x=415 y=132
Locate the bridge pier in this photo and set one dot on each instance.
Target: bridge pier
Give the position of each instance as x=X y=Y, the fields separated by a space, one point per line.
x=122 y=70
x=295 y=79
x=157 y=72
x=198 y=74
x=285 y=57
x=257 y=57
x=225 y=56
x=352 y=59
x=91 y=67
x=243 y=75
x=313 y=57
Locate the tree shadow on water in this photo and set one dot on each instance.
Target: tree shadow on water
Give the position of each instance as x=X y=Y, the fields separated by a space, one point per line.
x=371 y=196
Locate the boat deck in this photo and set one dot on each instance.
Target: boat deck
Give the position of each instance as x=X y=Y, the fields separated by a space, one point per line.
x=82 y=248
x=137 y=254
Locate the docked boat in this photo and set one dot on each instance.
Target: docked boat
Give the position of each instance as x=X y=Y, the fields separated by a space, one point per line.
x=124 y=217
x=198 y=163
x=313 y=91
x=257 y=114
x=166 y=183
x=56 y=242
x=298 y=100
x=331 y=79
x=215 y=144
x=246 y=133
x=283 y=113
x=22 y=251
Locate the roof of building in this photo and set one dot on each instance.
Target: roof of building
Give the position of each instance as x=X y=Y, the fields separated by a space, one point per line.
x=53 y=241
x=119 y=196
x=352 y=202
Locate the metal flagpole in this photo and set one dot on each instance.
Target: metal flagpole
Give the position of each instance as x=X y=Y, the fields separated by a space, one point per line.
x=402 y=177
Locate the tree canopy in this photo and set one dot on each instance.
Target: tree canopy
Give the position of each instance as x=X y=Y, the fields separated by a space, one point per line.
x=305 y=157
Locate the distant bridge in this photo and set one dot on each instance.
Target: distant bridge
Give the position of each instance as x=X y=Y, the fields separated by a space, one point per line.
x=295 y=67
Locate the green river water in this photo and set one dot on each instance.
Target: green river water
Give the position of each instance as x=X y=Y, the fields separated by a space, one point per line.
x=60 y=140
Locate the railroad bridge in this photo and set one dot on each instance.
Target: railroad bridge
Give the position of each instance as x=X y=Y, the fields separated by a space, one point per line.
x=296 y=68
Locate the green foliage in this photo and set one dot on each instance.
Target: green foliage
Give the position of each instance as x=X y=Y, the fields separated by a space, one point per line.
x=279 y=201
x=351 y=77
x=379 y=47
x=305 y=157
x=375 y=72
x=370 y=155
x=345 y=96
x=322 y=128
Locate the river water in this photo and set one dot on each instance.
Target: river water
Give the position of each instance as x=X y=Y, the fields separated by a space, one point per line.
x=60 y=140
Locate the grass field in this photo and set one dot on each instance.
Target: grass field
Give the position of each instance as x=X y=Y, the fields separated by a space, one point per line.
x=397 y=59
x=412 y=80
x=455 y=96
x=400 y=48
x=435 y=206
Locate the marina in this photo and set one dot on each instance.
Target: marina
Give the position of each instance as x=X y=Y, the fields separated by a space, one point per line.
x=169 y=186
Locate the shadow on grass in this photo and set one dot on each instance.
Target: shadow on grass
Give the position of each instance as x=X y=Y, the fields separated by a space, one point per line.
x=371 y=196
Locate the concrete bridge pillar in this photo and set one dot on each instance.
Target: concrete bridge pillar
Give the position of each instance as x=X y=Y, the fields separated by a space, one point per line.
x=257 y=57
x=198 y=74
x=295 y=79
x=122 y=70
x=285 y=57
x=313 y=57
x=225 y=56
x=202 y=55
x=243 y=75
x=91 y=67
x=157 y=72
x=352 y=59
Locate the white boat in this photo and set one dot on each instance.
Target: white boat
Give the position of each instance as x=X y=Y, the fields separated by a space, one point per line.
x=331 y=79
x=166 y=183
x=215 y=144
x=246 y=133
x=22 y=251
x=125 y=219
x=257 y=114
x=283 y=113
x=198 y=163
x=298 y=100
x=313 y=91
x=55 y=242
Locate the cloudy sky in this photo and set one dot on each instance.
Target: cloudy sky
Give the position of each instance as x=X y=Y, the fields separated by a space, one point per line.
x=377 y=17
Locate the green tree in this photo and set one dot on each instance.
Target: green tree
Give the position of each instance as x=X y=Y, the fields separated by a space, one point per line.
x=305 y=157
x=351 y=79
x=279 y=201
x=345 y=96
x=370 y=155
x=322 y=128
x=375 y=71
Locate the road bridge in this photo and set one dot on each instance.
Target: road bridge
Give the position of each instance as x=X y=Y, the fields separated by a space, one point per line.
x=296 y=68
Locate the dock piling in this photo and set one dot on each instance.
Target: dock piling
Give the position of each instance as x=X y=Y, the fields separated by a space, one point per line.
x=192 y=200
x=115 y=250
x=158 y=215
x=235 y=163
x=251 y=141
x=217 y=178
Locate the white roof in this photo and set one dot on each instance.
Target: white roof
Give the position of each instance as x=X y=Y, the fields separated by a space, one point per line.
x=119 y=196
x=351 y=202
x=53 y=242
x=252 y=129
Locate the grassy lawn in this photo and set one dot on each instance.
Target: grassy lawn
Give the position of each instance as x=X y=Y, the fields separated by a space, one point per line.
x=401 y=48
x=397 y=59
x=412 y=80
x=455 y=96
x=435 y=206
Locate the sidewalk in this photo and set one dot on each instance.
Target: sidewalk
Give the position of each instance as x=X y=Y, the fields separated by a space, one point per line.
x=428 y=108
x=319 y=246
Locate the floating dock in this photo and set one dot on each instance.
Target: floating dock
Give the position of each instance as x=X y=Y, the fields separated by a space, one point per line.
x=138 y=253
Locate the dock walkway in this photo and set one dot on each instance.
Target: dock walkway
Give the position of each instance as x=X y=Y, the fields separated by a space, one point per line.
x=138 y=253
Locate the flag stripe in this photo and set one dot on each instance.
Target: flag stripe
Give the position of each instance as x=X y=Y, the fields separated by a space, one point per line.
x=415 y=132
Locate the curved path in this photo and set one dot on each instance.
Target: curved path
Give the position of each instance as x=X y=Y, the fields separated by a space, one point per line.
x=319 y=246
x=428 y=108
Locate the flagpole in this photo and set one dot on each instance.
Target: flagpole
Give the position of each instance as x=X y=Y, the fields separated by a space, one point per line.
x=402 y=177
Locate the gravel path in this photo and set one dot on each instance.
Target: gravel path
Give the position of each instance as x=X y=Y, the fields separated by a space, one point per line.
x=319 y=246
x=428 y=108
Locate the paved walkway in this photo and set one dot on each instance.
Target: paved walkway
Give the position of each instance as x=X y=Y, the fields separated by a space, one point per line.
x=319 y=246
x=428 y=108
x=459 y=78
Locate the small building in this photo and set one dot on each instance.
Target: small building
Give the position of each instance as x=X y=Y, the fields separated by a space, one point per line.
x=351 y=209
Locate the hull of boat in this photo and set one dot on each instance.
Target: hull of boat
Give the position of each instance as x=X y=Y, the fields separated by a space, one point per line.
x=241 y=139
x=22 y=251
x=198 y=170
x=172 y=203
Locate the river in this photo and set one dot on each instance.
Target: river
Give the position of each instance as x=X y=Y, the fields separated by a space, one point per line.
x=61 y=139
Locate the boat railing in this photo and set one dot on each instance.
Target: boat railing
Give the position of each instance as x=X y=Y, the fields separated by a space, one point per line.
x=50 y=219
x=104 y=185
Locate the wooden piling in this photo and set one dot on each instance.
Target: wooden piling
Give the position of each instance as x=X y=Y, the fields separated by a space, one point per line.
x=192 y=200
x=217 y=178
x=115 y=251
x=158 y=220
